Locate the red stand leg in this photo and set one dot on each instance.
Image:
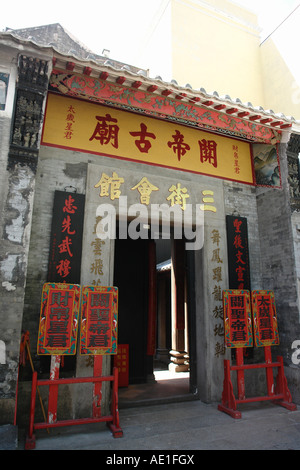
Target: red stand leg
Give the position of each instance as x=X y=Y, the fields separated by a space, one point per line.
x=228 y=400
x=240 y=373
x=115 y=424
x=112 y=420
x=280 y=396
x=30 y=439
x=269 y=371
x=282 y=388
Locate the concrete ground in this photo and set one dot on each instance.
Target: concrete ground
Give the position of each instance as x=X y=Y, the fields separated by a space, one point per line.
x=181 y=427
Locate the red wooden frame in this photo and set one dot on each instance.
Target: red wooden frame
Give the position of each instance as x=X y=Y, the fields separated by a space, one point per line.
x=280 y=394
x=111 y=420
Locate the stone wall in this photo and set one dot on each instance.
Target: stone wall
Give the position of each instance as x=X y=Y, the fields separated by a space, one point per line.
x=59 y=169
x=271 y=249
x=18 y=161
x=279 y=263
x=8 y=358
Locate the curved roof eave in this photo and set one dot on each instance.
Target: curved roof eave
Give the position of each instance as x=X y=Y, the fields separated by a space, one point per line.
x=106 y=69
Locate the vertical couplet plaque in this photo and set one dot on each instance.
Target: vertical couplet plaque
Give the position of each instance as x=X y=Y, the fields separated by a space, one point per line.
x=58 y=319
x=237 y=319
x=264 y=318
x=66 y=237
x=99 y=320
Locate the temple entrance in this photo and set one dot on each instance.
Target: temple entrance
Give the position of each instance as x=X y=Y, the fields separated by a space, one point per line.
x=131 y=278
x=154 y=317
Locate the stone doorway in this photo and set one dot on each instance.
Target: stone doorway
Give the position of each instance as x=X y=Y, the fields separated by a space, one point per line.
x=165 y=374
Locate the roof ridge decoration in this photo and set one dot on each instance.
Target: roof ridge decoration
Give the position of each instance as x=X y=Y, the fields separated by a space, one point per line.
x=185 y=108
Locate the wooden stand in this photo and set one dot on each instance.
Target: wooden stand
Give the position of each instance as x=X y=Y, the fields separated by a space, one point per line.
x=111 y=420
x=279 y=394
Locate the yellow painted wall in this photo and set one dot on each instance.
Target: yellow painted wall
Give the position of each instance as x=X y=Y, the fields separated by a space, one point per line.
x=281 y=67
x=215 y=45
x=281 y=94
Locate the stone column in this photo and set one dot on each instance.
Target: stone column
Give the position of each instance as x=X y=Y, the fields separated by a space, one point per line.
x=96 y=269
x=162 y=352
x=178 y=354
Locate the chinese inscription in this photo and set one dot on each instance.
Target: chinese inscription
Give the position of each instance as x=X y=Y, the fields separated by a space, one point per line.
x=237 y=319
x=238 y=256
x=142 y=143
x=178 y=196
x=70 y=120
x=59 y=319
x=99 y=320
x=96 y=266
x=111 y=186
x=145 y=189
x=106 y=131
x=208 y=152
x=235 y=149
x=178 y=145
x=116 y=133
x=264 y=318
x=66 y=238
x=216 y=275
x=208 y=201
x=121 y=361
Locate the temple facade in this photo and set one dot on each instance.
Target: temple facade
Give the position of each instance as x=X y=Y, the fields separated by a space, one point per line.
x=113 y=178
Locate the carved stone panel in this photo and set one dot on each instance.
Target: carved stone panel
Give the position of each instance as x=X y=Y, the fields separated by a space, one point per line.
x=28 y=113
x=293 y=151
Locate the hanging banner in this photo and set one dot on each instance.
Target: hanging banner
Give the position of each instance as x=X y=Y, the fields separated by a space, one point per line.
x=66 y=238
x=93 y=128
x=264 y=318
x=238 y=253
x=58 y=319
x=237 y=319
x=99 y=320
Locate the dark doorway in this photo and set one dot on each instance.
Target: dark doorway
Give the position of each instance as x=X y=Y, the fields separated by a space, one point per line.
x=150 y=375
x=131 y=278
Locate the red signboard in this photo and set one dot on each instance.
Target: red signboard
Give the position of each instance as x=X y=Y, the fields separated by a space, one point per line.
x=122 y=363
x=264 y=318
x=58 y=319
x=237 y=319
x=99 y=320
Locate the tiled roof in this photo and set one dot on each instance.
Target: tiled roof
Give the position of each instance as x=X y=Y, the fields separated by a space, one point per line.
x=131 y=76
x=141 y=80
x=62 y=41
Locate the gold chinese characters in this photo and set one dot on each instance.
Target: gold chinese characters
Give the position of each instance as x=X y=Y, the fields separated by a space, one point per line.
x=111 y=186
